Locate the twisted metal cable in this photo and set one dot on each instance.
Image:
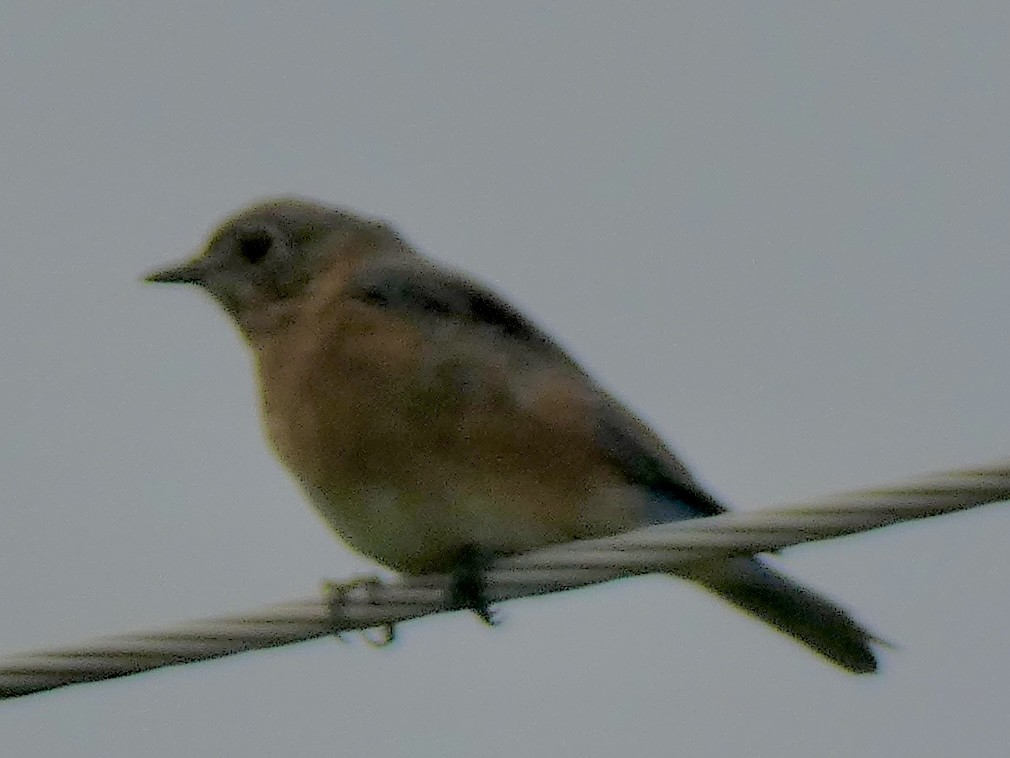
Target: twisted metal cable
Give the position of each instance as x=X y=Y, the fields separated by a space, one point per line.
x=368 y=603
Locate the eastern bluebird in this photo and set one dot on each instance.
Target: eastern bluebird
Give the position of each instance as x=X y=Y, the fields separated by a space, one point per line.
x=428 y=420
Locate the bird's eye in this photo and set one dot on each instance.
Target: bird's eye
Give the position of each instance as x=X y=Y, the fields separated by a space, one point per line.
x=253 y=246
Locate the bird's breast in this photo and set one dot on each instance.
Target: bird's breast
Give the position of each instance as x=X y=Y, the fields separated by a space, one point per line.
x=412 y=447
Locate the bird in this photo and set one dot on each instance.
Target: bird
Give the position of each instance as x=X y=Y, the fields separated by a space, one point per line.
x=434 y=426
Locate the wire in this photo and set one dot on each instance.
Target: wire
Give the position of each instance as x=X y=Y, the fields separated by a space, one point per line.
x=369 y=603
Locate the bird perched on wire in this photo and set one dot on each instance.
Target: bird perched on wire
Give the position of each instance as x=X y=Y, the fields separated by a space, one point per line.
x=434 y=426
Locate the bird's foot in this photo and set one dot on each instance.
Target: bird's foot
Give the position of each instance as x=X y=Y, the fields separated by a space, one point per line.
x=358 y=589
x=468 y=588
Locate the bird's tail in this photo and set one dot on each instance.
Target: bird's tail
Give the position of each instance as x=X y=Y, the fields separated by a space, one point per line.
x=791 y=608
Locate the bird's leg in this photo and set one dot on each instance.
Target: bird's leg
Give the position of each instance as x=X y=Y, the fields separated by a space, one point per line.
x=468 y=588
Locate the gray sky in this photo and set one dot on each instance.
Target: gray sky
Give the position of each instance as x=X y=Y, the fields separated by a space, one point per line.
x=780 y=234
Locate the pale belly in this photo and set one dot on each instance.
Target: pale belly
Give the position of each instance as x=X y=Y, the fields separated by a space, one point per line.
x=415 y=534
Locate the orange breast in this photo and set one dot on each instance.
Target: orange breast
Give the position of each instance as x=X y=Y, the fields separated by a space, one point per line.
x=413 y=445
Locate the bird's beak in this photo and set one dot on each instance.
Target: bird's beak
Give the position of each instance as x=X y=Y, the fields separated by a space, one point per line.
x=190 y=272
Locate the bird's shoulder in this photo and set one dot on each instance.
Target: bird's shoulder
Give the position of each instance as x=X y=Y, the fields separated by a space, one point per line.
x=421 y=290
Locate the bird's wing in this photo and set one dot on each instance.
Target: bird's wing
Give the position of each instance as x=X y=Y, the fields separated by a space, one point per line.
x=423 y=291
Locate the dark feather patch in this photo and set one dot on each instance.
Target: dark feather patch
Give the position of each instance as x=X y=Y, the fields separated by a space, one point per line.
x=654 y=470
x=429 y=292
